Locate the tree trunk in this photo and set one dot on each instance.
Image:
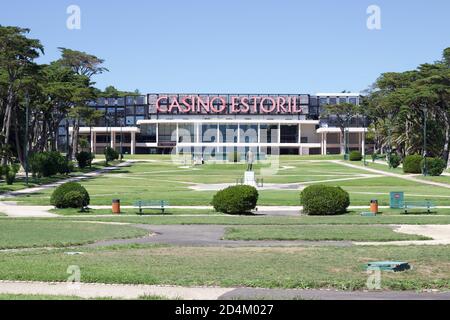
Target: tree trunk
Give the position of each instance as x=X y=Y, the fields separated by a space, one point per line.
x=7 y=120
x=447 y=139
x=75 y=135
x=17 y=136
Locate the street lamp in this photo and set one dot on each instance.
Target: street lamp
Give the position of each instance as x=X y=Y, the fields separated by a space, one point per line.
x=364 y=136
x=27 y=105
x=425 y=115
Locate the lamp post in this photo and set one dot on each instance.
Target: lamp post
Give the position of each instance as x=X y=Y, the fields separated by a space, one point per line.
x=364 y=136
x=425 y=115
x=27 y=104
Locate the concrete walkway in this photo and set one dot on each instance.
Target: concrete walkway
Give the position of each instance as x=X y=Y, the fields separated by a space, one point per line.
x=439 y=233
x=13 y=210
x=89 y=175
x=395 y=175
x=204 y=236
x=212 y=235
x=125 y=291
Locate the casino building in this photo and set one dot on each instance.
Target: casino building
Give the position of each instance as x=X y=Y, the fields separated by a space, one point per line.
x=212 y=125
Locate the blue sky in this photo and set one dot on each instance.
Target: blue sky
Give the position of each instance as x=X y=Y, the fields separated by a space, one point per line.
x=240 y=46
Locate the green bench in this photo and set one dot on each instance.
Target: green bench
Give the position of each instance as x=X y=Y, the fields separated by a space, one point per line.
x=408 y=205
x=151 y=204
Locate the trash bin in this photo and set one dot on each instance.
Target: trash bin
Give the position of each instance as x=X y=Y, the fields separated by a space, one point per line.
x=374 y=206
x=116 y=206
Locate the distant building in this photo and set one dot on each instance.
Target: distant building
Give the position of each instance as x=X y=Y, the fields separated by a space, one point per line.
x=212 y=125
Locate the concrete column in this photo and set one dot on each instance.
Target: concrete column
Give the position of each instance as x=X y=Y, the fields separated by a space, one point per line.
x=133 y=143
x=325 y=143
x=363 y=143
x=279 y=133
x=93 y=141
x=157 y=133
x=322 y=143
x=113 y=140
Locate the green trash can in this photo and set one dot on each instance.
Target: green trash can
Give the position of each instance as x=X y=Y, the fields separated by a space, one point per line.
x=397 y=200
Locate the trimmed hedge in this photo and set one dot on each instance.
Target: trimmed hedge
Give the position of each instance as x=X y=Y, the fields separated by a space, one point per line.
x=355 y=156
x=70 y=195
x=236 y=200
x=435 y=166
x=412 y=164
x=324 y=200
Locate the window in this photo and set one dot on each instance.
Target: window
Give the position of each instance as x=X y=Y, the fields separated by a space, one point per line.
x=342 y=100
x=353 y=101
x=130 y=111
x=130 y=121
x=333 y=101
x=323 y=101
x=140 y=110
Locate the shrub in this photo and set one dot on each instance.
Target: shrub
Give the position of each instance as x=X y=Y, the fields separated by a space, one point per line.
x=73 y=199
x=84 y=159
x=47 y=164
x=236 y=200
x=412 y=164
x=111 y=154
x=355 y=156
x=394 y=160
x=234 y=157
x=10 y=177
x=61 y=199
x=324 y=200
x=435 y=166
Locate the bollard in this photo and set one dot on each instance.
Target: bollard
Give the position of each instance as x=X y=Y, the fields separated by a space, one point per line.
x=116 y=206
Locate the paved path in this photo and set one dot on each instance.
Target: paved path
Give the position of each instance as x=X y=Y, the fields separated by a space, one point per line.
x=439 y=233
x=125 y=291
x=205 y=235
x=396 y=175
x=212 y=235
x=13 y=210
x=89 y=175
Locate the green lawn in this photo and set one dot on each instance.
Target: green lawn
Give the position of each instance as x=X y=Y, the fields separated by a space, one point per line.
x=311 y=267
x=270 y=220
x=35 y=182
x=315 y=232
x=164 y=180
x=15 y=233
x=28 y=297
x=134 y=212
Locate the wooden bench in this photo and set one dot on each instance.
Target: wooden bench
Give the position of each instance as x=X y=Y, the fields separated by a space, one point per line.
x=151 y=204
x=408 y=205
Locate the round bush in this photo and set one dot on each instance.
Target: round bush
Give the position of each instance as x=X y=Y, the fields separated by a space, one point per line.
x=395 y=160
x=236 y=200
x=412 y=164
x=355 y=156
x=324 y=200
x=74 y=199
x=60 y=201
x=435 y=166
